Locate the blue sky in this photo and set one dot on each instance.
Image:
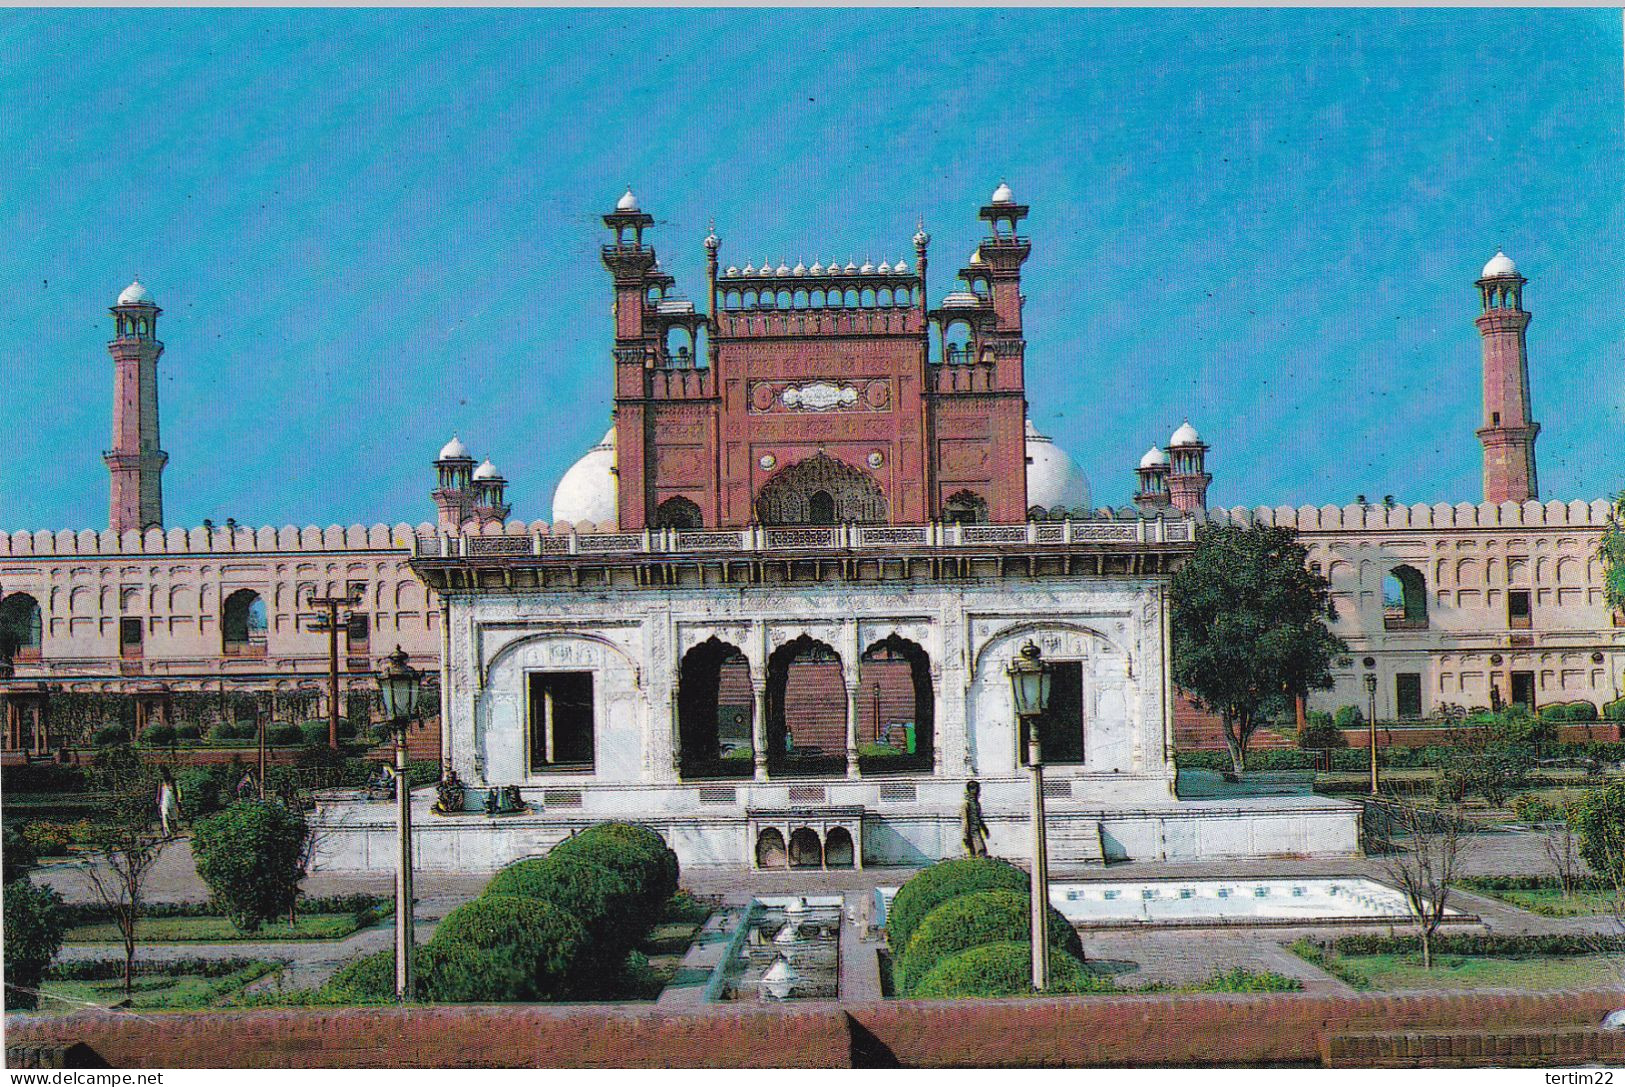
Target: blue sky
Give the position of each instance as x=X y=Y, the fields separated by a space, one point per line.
x=370 y=229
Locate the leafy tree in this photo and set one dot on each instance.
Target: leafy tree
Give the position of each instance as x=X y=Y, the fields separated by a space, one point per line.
x=125 y=840
x=34 y=928
x=1612 y=553
x=252 y=856
x=17 y=855
x=1599 y=821
x=1249 y=627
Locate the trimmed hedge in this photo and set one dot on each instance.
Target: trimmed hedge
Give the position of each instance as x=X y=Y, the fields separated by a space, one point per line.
x=545 y=944
x=940 y=882
x=283 y=735
x=108 y=969
x=42 y=777
x=159 y=736
x=1004 y=970
x=1614 y=711
x=1561 y=943
x=313 y=733
x=111 y=736
x=1530 y=883
x=970 y=920
x=603 y=900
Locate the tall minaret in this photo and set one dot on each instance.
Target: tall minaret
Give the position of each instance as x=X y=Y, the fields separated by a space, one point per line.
x=1188 y=477
x=1508 y=432
x=135 y=461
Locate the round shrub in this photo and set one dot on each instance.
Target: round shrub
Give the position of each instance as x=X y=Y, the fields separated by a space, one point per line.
x=47 y=838
x=202 y=790
x=188 y=733
x=33 y=935
x=346 y=729
x=650 y=872
x=636 y=836
x=1614 y=711
x=942 y=881
x=1348 y=717
x=110 y=736
x=229 y=731
x=283 y=735
x=603 y=901
x=1582 y=711
x=252 y=856
x=456 y=971
x=371 y=977
x=1004 y=970
x=313 y=734
x=970 y=920
x=547 y=941
x=158 y=736
x=1599 y=824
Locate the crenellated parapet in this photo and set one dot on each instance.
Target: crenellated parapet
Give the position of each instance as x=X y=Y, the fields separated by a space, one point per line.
x=1439 y=516
x=225 y=541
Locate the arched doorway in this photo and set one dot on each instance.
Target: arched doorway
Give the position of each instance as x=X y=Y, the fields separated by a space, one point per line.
x=715 y=711
x=896 y=708
x=678 y=512
x=838 y=849
x=770 y=851
x=806 y=709
x=20 y=627
x=821 y=491
x=242 y=624
x=806 y=851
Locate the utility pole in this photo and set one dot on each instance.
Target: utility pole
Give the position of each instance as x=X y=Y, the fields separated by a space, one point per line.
x=329 y=621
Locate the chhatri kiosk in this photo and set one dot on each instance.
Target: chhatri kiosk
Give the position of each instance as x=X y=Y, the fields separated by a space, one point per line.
x=823 y=529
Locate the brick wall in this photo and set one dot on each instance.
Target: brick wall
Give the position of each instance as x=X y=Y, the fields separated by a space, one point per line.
x=1287 y=1029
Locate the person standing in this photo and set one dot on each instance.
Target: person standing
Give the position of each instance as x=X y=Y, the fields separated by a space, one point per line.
x=169 y=805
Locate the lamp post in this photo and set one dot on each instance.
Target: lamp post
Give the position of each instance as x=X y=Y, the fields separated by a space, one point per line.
x=1029 y=688
x=398 y=684
x=1371 y=706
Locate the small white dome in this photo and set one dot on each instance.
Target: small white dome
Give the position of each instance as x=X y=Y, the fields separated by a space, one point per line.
x=851 y=269
x=782 y=270
x=921 y=237
x=976 y=255
x=817 y=269
x=885 y=268
x=1185 y=435
x=455 y=450
x=750 y=269
x=135 y=295
x=487 y=471
x=867 y=269
x=732 y=271
x=1053 y=477
x=587 y=491
x=766 y=269
x=1003 y=195
x=799 y=270
x=900 y=268
x=960 y=300
x=1499 y=265
x=627 y=202
x=1154 y=458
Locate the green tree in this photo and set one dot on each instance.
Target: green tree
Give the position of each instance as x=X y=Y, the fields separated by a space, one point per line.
x=1599 y=821
x=34 y=927
x=252 y=856
x=1612 y=553
x=124 y=840
x=17 y=854
x=1249 y=627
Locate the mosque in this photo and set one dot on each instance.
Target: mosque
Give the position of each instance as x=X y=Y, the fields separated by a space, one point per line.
x=773 y=609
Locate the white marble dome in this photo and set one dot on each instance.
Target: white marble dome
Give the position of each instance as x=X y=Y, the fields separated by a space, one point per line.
x=1185 y=435
x=1499 y=265
x=1053 y=477
x=1154 y=458
x=960 y=300
x=455 y=450
x=587 y=491
x=627 y=202
x=136 y=295
x=487 y=471
x=1003 y=195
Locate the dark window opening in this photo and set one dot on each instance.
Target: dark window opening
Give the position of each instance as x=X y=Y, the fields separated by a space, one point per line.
x=561 y=725
x=1518 y=609
x=1404 y=600
x=965 y=508
x=1523 y=690
x=820 y=508
x=358 y=633
x=1060 y=728
x=896 y=708
x=20 y=627
x=716 y=706
x=242 y=626
x=1408 y=695
x=678 y=513
x=129 y=637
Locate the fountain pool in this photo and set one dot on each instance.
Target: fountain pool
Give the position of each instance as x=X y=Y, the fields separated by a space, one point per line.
x=1278 y=901
x=786 y=947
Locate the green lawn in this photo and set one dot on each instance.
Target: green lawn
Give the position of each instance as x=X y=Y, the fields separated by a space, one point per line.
x=1550 y=901
x=151 y=991
x=215 y=930
x=1405 y=971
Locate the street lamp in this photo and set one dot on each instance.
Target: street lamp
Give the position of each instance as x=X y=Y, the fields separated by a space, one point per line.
x=1371 y=706
x=398 y=684
x=1029 y=689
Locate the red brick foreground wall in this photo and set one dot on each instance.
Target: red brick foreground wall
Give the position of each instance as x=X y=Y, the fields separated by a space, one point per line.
x=1144 y=1031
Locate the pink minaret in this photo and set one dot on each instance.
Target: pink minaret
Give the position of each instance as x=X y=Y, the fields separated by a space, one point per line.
x=135 y=461
x=454 y=497
x=1508 y=433
x=1187 y=471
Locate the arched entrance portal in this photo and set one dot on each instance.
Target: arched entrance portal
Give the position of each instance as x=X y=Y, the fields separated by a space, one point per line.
x=896 y=708
x=715 y=711
x=821 y=491
x=806 y=710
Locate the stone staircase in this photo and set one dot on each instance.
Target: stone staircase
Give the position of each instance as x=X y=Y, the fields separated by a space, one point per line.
x=1075 y=841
